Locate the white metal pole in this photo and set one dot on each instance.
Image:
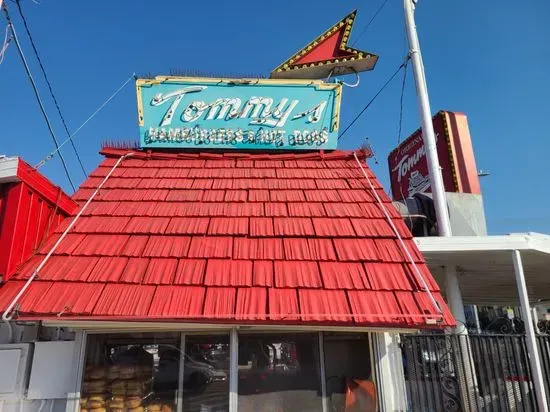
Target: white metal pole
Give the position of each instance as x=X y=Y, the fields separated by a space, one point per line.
x=476 y=316
x=438 y=190
x=233 y=371
x=530 y=337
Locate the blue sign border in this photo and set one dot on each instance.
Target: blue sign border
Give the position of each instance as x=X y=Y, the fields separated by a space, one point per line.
x=221 y=113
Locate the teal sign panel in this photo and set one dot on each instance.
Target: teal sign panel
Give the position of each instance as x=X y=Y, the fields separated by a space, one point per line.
x=207 y=113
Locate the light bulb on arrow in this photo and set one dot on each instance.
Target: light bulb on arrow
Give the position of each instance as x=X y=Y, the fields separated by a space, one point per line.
x=329 y=54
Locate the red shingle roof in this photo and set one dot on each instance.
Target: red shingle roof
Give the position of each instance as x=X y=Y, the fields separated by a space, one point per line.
x=238 y=237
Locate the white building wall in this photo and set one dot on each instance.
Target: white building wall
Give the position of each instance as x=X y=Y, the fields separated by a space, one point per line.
x=390 y=375
x=13 y=382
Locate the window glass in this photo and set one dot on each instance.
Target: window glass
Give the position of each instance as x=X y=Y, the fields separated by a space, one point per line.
x=348 y=373
x=206 y=374
x=131 y=372
x=279 y=373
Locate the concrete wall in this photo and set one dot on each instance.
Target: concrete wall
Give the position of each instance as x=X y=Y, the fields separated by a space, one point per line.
x=467 y=214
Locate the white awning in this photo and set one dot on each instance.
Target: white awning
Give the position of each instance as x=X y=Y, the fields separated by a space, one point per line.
x=485 y=265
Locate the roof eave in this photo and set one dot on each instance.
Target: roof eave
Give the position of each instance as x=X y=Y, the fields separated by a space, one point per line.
x=97 y=326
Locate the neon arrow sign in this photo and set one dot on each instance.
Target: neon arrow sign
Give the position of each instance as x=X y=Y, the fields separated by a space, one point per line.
x=329 y=54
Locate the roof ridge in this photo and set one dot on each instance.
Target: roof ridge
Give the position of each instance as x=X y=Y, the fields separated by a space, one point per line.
x=111 y=152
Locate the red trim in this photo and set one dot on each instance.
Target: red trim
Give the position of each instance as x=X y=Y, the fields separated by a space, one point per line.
x=30 y=209
x=9 y=219
x=45 y=188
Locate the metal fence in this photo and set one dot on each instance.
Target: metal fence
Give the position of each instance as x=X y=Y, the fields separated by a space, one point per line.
x=470 y=373
x=544 y=351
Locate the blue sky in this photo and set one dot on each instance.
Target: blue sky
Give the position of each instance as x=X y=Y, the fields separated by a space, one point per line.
x=489 y=59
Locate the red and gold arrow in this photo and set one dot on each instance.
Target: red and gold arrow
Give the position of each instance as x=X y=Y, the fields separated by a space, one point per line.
x=329 y=54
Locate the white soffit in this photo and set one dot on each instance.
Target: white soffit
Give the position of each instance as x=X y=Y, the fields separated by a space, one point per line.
x=485 y=265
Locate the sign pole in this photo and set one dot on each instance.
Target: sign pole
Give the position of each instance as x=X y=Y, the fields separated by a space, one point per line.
x=438 y=190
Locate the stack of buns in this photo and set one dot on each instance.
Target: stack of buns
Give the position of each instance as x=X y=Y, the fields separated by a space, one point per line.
x=94 y=388
x=158 y=407
x=117 y=388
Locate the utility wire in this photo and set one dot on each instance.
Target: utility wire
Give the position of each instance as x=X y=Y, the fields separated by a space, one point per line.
x=370 y=21
x=37 y=94
x=404 y=64
x=111 y=97
x=401 y=103
x=5 y=44
x=410 y=219
x=18 y=2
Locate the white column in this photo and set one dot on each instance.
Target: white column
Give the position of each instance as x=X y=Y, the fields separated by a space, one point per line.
x=234 y=371
x=181 y=374
x=391 y=390
x=531 y=340
x=323 y=372
x=454 y=298
x=79 y=357
x=467 y=370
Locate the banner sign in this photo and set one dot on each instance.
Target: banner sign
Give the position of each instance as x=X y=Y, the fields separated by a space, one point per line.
x=209 y=113
x=409 y=167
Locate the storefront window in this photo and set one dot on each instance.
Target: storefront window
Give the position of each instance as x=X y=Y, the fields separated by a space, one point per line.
x=125 y=372
x=348 y=373
x=279 y=373
x=206 y=374
x=140 y=372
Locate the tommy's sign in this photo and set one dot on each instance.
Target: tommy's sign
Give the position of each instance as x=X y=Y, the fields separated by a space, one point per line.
x=180 y=112
x=409 y=167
